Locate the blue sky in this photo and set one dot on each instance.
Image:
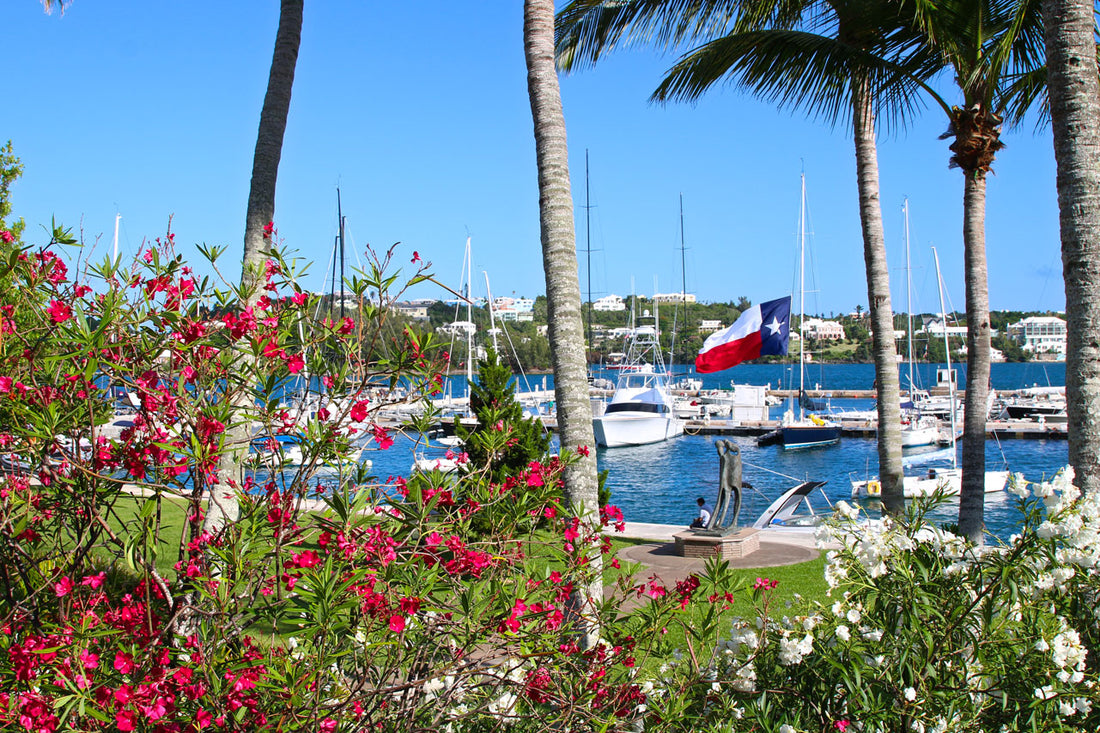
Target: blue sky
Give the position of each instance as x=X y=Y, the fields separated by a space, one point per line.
x=420 y=115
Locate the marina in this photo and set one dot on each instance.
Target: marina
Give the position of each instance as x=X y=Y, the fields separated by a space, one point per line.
x=658 y=483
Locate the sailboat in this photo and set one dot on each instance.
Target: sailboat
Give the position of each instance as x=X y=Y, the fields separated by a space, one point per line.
x=803 y=431
x=916 y=429
x=641 y=410
x=945 y=479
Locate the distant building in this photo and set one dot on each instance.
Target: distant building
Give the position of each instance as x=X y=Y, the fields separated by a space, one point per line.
x=935 y=327
x=673 y=297
x=710 y=326
x=1040 y=335
x=815 y=328
x=609 y=303
x=412 y=310
x=458 y=327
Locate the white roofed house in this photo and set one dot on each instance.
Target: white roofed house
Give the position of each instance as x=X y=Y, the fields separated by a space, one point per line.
x=458 y=327
x=815 y=328
x=1040 y=335
x=609 y=303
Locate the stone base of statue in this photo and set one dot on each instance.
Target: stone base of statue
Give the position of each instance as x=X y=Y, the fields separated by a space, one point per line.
x=734 y=544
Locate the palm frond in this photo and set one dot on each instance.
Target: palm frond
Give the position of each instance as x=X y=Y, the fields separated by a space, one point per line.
x=1022 y=93
x=585 y=30
x=794 y=69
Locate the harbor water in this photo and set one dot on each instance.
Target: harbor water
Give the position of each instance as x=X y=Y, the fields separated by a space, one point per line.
x=660 y=482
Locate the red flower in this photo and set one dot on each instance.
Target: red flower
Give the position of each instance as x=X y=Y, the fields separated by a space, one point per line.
x=300 y=298
x=59 y=312
x=842 y=725
x=382 y=436
x=269 y=229
x=397 y=623
x=416 y=255
x=63 y=587
x=583 y=450
x=295 y=363
x=359 y=410
x=306 y=559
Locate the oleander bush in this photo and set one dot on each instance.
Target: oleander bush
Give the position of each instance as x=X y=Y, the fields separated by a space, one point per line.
x=337 y=602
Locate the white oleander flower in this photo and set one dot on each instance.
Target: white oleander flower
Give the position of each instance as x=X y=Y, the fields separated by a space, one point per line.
x=791 y=651
x=1045 y=692
x=847 y=511
x=843 y=633
x=910 y=694
x=1017 y=485
x=872 y=635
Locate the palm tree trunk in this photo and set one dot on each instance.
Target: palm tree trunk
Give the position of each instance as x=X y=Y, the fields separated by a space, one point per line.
x=972 y=497
x=1074 y=93
x=878 y=297
x=563 y=293
x=222 y=507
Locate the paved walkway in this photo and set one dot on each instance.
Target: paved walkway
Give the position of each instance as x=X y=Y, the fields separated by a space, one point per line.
x=659 y=555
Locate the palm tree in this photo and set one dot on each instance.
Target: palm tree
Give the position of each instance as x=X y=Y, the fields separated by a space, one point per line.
x=563 y=292
x=829 y=58
x=987 y=44
x=1074 y=93
x=261 y=211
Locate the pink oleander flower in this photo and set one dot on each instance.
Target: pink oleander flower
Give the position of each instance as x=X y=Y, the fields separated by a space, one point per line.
x=59 y=312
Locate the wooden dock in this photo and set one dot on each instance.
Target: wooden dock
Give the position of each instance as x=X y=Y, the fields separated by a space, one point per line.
x=999 y=429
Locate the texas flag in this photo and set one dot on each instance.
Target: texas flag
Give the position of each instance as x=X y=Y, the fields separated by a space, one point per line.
x=762 y=330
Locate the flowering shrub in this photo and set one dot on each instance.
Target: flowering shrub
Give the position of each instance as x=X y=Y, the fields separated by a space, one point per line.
x=925 y=632
x=337 y=601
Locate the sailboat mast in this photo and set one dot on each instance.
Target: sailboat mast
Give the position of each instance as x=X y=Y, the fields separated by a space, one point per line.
x=947 y=356
x=340 y=240
x=470 y=321
x=683 y=291
x=114 y=249
x=588 y=243
x=801 y=296
x=492 y=318
x=908 y=299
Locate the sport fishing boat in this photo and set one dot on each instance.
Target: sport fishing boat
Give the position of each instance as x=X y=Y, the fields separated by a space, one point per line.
x=641 y=410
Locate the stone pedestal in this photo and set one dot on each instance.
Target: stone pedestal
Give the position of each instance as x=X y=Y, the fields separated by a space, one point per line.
x=734 y=545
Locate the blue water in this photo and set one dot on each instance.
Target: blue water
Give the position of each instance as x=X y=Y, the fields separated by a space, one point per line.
x=1004 y=376
x=659 y=483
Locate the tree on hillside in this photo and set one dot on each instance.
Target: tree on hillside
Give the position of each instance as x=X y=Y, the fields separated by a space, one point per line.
x=832 y=59
x=986 y=44
x=504 y=441
x=563 y=292
x=1074 y=93
x=258 y=217
x=10 y=170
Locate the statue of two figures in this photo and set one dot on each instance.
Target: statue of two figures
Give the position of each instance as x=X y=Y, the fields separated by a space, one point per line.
x=729 y=493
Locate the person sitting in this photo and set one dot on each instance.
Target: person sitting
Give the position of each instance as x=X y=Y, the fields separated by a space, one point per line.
x=703 y=519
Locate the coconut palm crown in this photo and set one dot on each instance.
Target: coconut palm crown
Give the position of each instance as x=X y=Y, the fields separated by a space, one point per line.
x=830 y=59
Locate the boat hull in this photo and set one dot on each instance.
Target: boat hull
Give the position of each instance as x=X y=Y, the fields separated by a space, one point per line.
x=949 y=480
x=918 y=436
x=796 y=437
x=622 y=429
